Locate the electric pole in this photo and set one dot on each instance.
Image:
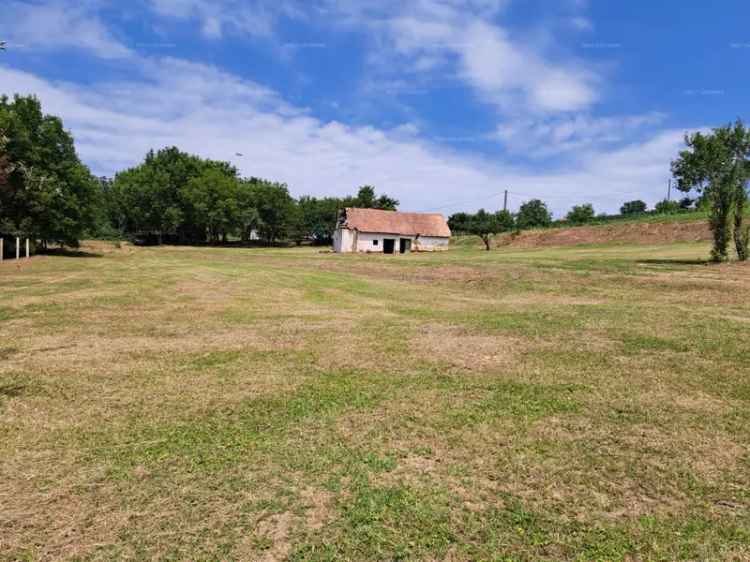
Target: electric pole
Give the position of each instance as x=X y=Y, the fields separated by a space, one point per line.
x=505 y=201
x=669 y=190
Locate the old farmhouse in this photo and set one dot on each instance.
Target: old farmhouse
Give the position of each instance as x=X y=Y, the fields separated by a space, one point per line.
x=390 y=232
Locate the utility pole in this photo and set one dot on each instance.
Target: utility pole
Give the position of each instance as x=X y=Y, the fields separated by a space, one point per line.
x=669 y=190
x=505 y=201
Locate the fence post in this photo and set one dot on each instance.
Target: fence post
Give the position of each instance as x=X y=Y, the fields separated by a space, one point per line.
x=18 y=247
x=27 y=248
x=1 y=248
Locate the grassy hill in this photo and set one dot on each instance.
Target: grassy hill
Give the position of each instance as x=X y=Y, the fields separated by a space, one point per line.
x=640 y=229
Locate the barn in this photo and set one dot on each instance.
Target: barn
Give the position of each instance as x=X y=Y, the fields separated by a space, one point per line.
x=390 y=232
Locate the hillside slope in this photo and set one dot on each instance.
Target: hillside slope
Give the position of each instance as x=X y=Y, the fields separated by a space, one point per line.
x=630 y=233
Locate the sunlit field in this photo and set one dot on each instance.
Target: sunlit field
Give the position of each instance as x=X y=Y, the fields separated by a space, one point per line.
x=580 y=403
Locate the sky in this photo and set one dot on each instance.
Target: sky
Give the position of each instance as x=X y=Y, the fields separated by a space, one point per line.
x=443 y=104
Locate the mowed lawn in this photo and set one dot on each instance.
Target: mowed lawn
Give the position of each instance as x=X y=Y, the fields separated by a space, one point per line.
x=586 y=403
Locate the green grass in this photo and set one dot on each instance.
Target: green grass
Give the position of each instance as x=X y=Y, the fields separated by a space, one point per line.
x=576 y=403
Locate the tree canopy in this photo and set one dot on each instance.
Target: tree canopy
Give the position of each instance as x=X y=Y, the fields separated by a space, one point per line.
x=532 y=214
x=46 y=193
x=487 y=225
x=633 y=207
x=581 y=214
x=717 y=166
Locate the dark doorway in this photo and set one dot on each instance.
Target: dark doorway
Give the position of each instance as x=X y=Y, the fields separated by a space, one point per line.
x=404 y=245
x=388 y=245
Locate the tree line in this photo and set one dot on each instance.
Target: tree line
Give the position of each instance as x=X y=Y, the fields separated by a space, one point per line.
x=177 y=197
x=48 y=195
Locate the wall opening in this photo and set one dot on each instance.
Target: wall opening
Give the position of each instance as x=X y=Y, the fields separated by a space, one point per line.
x=404 y=245
x=388 y=245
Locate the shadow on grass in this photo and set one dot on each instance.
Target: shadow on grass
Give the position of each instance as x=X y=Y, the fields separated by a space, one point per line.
x=68 y=253
x=668 y=261
x=11 y=390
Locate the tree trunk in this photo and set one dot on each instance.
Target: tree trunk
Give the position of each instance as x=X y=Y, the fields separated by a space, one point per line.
x=741 y=231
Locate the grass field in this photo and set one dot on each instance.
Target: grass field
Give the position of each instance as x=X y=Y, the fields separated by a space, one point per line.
x=581 y=403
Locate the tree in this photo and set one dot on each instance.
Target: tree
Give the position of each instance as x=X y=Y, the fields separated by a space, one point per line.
x=319 y=217
x=152 y=198
x=667 y=207
x=717 y=166
x=46 y=193
x=212 y=199
x=533 y=214
x=367 y=199
x=487 y=225
x=459 y=222
x=581 y=214
x=276 y=209
x=633 y=207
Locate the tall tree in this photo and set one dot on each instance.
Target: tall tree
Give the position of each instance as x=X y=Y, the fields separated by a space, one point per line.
x=152 y=199
x=212 y=199
x=366 y=198
x=717 y=165
x=319 y=217
x=46 y=193
x=276 y=209
x=533 y=213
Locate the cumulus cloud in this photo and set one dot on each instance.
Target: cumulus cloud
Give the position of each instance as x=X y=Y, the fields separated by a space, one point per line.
x=216 y=114
x=58 y=25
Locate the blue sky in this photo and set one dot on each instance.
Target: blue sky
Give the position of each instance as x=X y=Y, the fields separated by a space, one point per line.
x=441 y=103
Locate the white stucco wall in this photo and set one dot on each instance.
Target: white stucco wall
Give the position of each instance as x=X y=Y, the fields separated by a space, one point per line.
x=431 y=243
x=345 y=240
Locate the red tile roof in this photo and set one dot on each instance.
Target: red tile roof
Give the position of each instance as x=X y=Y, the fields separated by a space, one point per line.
x=395 y=222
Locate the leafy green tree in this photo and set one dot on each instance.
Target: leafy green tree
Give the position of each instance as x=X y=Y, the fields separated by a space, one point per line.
x=532 y=214
x=581 y=214
x=151 y=195
x=367 y=199
x=319 y=217
x=666 y=207
x=248 y=216
x=459 y=222
x=488 y=225
x=717 y=166
x=212 y=198
x=277 y=209
x=633 y=207
x=46 y=193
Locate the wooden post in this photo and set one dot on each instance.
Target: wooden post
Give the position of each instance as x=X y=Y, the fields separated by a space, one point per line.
x=18 y=247
x=27 y=248
x=1 y=248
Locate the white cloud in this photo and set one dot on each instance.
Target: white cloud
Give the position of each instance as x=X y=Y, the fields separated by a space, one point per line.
x=540 y=138
x=252 y=18
x=58 y=25
x=216 y=114
x=464 y=38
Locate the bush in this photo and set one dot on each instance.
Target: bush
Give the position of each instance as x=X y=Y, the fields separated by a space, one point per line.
x=581 y=214
x=633 y=207
x=667 y=207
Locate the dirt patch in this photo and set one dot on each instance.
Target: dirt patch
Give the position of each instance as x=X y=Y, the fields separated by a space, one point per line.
x=457 y=347
x=631 y=233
